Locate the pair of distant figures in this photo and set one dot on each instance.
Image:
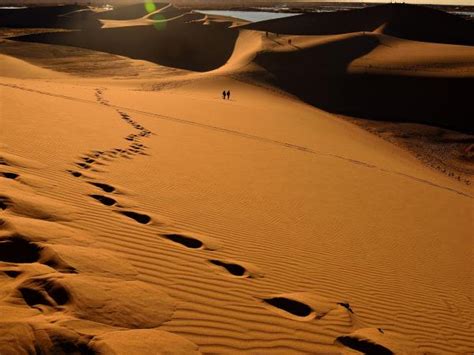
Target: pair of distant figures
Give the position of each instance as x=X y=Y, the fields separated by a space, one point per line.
x=226 y=94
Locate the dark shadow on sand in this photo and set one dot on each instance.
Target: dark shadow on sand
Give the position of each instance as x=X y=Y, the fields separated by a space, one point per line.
x=180 y=45
x=319 y=76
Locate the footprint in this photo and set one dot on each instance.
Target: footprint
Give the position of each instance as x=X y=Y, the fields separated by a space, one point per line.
x=188 y=242
x=105 y=187
x=364 y=346
x=346 y=305
x=370 y=341
x=104 y=200
x=242 y=270
x=18 y=250
x=88 y=160
x=233 y=269
x=4 y=203
x=192 y=241
x=12 y=176
x=290 y=306
x=305 y=306
x=83 y=165
x=74 y=173
x=43 y=292
x=138 y=217
x=12 y=273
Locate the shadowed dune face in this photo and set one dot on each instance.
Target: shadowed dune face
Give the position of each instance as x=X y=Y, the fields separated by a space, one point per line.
x=319 y=75
x=400 y=20
x=189 y=46
x=69 y=16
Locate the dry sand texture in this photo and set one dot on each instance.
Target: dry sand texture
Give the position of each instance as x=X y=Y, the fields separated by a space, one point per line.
x=142 y=213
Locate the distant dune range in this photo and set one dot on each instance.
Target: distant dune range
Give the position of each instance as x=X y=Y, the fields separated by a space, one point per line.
x=412 y=22
x=317 y=71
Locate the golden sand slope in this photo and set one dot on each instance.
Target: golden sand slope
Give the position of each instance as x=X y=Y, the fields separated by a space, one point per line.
x=135 y=219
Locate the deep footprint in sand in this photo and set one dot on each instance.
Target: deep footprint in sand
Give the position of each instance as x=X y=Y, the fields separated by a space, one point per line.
x=107 y=201
x=372 y=341
x=74 y=173
x=18 y=250
x=4 y=202
x=187 y=241
x=241 y=270
x=290 y=306
x=138 y=217
x=192 y=241
x=12 y=176
x=88 y=160
x=46 y=293
x=102 y=186
x=306 y=306
x=83 y=165
x=364 y=346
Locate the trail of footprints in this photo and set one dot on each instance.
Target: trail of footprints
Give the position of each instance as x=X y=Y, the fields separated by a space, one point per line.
x=47 y=266
x=50 y=292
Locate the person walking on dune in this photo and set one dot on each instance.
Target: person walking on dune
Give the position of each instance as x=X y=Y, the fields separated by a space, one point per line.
x=228 y=94
x=223 y=94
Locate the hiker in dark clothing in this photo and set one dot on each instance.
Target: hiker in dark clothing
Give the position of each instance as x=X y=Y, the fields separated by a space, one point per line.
x=223 y=94
x=228 y=94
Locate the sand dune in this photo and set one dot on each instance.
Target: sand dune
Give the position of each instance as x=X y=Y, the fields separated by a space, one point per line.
x=353 y=79
x=143 y=213
x=170 y=45
x=386 y=67
x=412 y=22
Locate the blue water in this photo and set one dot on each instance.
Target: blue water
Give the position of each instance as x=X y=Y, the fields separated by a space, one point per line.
x=252 y=16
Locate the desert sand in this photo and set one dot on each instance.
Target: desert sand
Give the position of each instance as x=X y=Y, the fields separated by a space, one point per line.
x=140 y=213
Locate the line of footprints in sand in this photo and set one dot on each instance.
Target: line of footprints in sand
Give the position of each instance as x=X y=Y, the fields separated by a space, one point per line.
x=295 y=306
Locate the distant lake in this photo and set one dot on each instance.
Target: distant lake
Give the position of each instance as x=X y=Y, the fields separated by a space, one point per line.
x=252 y=16
x=12 y=7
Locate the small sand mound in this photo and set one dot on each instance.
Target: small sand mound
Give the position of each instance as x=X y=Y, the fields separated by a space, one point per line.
x=40 y=338
x=23 y=203
x=94 y=261
x=15 y=160
x=141 y=341
x=37 y=230
x=129 y=304
x=16 y=338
